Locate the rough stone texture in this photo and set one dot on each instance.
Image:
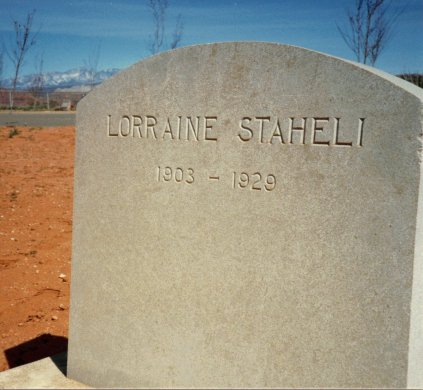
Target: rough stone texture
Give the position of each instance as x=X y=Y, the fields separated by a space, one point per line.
x=43 y=374
x=181 y=279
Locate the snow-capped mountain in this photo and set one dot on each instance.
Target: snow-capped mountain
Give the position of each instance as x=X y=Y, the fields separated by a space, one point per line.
x=68 y=79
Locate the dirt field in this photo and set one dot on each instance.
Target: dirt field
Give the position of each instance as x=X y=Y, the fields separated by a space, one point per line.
x=36 y=189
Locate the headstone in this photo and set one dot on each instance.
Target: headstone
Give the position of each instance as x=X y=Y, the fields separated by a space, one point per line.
x=248 y=215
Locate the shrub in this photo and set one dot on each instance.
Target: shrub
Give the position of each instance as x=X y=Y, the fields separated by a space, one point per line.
x=13 y=132
x=415 y=78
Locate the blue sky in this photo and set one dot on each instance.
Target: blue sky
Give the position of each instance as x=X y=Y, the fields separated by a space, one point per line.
x=69 y=31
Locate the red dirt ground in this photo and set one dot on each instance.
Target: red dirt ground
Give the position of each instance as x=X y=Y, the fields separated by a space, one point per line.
x=36 y=191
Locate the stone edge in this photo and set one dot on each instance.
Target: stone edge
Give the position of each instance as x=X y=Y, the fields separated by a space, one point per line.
x=41 y=374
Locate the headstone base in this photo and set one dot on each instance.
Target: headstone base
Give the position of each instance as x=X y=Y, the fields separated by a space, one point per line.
x=43 y=374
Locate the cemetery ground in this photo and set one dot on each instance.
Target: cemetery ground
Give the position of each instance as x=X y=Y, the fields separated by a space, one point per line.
x=36 y=182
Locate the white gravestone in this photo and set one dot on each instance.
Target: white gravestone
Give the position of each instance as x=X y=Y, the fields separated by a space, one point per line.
x=248 y=215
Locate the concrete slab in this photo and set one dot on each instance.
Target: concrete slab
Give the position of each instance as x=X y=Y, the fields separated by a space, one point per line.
x=48 y=373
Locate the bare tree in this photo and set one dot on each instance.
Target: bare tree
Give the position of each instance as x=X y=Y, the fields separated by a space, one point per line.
x=158 y=10
x=177 y=33
x=24 y=39
x=2 y=92
x=91 y=65
x=37 y=82
x=370 y=25
x=157 y=41
x=1 y=66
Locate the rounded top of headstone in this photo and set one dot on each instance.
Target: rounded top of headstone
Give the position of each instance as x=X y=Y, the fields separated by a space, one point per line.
x=268 y=63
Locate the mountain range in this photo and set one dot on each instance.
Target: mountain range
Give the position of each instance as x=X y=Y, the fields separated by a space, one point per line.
x=70 y=79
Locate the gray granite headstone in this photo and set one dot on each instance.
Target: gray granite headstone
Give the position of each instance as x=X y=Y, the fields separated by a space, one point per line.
x=248 y=215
